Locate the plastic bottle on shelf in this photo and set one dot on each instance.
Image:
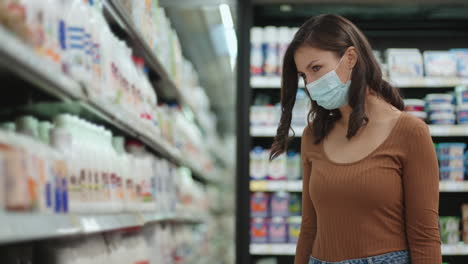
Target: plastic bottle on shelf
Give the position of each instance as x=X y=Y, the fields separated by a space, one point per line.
x=28 y=125
x=51 y=30
x=284 y=41
x=258 y=164
x=256 y=54
x=270 y=51
x=73 y=36
x=44 y=132
x=300 y=110
x=293 y=165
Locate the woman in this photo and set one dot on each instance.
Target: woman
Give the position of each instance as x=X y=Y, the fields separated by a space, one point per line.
x=370 y=183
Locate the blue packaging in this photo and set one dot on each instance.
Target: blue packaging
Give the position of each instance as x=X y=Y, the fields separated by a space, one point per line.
x=295 y=205
x=451 y=149
x=278 y=230
x=462 y=61
x=294 y=227
x=279 y=204
x=451 y=174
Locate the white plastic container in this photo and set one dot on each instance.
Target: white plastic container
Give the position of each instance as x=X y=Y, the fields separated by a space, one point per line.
x=256 y=54
x=405 y=62
x=270 y=51
x=439 y=98
x=442 y=119
x=420 y=115
x=258 y=163
x=277 y=168
x=440 y=63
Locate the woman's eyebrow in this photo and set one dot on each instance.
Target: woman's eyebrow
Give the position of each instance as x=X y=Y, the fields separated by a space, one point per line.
x=310 y=63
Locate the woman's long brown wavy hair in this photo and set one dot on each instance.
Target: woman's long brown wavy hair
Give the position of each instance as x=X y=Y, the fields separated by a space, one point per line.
x=337 y=34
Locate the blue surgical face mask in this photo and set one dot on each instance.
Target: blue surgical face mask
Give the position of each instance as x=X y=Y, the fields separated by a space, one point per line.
x=329 y=91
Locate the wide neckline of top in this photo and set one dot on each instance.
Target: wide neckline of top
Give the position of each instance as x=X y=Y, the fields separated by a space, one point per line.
x=384 y=142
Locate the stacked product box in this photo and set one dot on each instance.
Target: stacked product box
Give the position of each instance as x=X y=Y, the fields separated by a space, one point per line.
x=451 y=161
x=416 y=108
x=275 y=217
x=441 y=108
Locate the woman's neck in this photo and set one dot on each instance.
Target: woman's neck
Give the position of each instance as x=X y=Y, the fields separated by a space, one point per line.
x=375 y=109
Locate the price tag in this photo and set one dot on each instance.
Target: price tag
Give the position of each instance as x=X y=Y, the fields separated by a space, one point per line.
x=258 y=186
x=276 y=185
x=295 y=186
x=89 y=224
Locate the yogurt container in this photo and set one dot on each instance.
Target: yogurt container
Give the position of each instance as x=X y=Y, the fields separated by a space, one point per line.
x=420 y=115
x=462 y=114
x=451 y=149
x=416 y=105
x=441 y=108
x=439 y=98
x=451 y=174
x=442 y=119
x=451 y=162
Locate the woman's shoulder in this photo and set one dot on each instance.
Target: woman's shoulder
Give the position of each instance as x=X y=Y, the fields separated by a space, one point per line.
x=412 y=126
x=308 y=139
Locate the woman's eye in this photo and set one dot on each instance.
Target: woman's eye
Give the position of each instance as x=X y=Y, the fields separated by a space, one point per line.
x=316 y=68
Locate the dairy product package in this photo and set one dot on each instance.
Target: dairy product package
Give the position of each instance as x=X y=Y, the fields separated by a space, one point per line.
x=462 y=61
x=279 y=204
x=259 y=204
x=294 y=227
x=259 y=230
x=258 y=163
x=277 y=168
x=440 y=63
x=270 y=51
x=404 y=62
x=278 y=230
x=256 y=54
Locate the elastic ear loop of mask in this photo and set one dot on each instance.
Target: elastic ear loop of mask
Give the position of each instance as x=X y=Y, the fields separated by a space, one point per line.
x=349 y=77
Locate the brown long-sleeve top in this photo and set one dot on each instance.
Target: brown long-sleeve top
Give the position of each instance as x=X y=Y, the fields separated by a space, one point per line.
x=387 y=201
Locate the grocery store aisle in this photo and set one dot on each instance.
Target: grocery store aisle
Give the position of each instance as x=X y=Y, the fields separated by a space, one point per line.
x=420 y=50
x=110 y=151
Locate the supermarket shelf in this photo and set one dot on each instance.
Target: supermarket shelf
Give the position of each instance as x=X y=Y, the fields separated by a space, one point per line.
x=451 y=250
x=273 y=249
x=21 y=59
x=268 y=82
x=296 y=186
x=17 y=227
x=273 y=186
x=453 y=186
x=290 y=249
x=269 y=131
x=428 y=82
x=436 y=131
x=449 y=130
x=167 y=85
x=265 y=82
x=272 y=82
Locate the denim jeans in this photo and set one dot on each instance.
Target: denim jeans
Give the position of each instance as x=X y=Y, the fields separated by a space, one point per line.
x=396 y=257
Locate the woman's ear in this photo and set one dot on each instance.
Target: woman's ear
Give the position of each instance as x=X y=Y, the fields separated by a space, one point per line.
x=351 y=59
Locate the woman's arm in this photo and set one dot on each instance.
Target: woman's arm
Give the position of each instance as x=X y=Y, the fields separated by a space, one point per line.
x=309 y=217
x=421 y=192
